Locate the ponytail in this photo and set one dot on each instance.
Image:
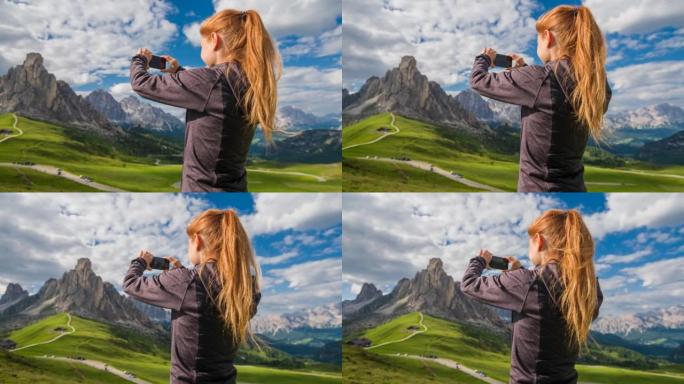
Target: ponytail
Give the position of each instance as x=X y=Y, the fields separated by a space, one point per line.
x=237 y=272
x=570 y=244
x=247 y=39
x=581 y=41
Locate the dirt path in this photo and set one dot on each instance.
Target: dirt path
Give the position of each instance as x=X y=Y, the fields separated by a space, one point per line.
x=454 y=365
x=386 y=134
x=103 y=367
x=21 y=132
x=318 y=178
x=51 y=340
x=425 y=328
x=425 y=166
x=50 y=170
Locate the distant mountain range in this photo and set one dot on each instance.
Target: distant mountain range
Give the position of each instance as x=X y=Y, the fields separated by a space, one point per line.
x=291 y=118
x=327 y=316
x=79 y=291
x=655 y=116
x=625 y=325
x=431 y=291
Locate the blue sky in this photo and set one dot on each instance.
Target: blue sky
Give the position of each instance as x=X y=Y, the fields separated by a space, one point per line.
x=639 y=238
x=296 y=238
x=645 y=38
x=89 y=44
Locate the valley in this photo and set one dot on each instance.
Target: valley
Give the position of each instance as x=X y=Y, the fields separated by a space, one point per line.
x=368 y=167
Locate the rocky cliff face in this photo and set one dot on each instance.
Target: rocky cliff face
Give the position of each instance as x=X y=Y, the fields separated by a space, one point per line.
x=432 y=292
x=147 y=116
x=106 y=104
x=406 y=91
x=474 y=103
x=30 y=90
x=13 y=294
x=80 y=291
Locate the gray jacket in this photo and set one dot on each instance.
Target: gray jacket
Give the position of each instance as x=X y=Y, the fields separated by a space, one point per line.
x=552 y=139
x=217 y=135
x=202 y=350
x=539 y=352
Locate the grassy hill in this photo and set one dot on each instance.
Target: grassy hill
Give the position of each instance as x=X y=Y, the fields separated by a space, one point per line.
x=467 y=156
x=469 y=345
x=122 y=164
x=127 y=350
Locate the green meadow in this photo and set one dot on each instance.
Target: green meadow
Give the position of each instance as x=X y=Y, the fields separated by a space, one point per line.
x=465 y=155
x=471 y=346
x=121 y=348
x=48 y=144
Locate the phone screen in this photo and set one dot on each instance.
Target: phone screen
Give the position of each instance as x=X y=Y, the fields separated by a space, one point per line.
x=498 y=263
x=159 y=263
x=158 y=62
x=503 y=61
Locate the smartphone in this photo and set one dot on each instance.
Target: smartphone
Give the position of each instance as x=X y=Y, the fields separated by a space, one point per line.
x=503 y=61
x=158 y=62
x=498 y=263
x=159 y=263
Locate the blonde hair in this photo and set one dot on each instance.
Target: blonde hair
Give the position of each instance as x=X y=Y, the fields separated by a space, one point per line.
x=581 y=41
x=226 y=243
x=246 y=38
x=570 y=244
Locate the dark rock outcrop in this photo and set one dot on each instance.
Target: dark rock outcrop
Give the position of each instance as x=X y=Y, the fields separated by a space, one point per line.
x=106 y=104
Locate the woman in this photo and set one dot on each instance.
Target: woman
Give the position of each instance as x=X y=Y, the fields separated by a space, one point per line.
x=211 y=304
x=563 y=101
x=553 y=304
x=225 y=101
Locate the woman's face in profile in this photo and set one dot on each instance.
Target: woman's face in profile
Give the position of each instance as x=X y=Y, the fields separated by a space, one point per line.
x=534 y=247
x=208 y=53
x=193 y=250
x=542 y=46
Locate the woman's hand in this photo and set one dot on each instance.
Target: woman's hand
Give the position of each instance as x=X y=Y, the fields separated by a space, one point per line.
x=173 y=261
x=146 y=53
x=514 y=262
x=518 y=60
x=485 y=254
x=491 y=53
x=173 y=65
x=147 y=256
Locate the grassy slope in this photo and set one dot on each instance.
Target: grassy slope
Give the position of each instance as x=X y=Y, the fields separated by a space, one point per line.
x=464 y=155
x=44 y=143
x=25 y=370
x=479 y=349
x=133 y=352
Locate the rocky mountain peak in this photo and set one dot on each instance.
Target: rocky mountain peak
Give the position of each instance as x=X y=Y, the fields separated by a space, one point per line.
x=83 y=264
x=435 y=265
x=368 y=292
x=408 y=65
x=13 y=292
x=30 y=90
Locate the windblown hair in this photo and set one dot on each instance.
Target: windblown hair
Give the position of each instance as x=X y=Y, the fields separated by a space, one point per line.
x=227 y=244
x=570 y=244
x=580 y=39
x=245 y=37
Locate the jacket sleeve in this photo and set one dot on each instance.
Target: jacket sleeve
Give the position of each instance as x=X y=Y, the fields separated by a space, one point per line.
x=599 y=293
x=519 y=86
x=507 y=290
x=189 y=89
x=166 y=290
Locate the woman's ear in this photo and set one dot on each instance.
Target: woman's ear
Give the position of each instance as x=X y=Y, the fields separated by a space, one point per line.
x=198 y=243
x=540 y=242
x=550 y=39
x=216 y=41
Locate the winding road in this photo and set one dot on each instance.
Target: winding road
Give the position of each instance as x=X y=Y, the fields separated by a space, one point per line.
x=53 y=171
x=14 y=126
x=425 y=328
x=62 y=334
x=386 y=134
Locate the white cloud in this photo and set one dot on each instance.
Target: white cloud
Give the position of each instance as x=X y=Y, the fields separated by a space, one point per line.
x=444 y=37
x=627 y=258
x=637 y=16
x=640 y=85
x=390 y=236
x=274 y=260
x=82 y=42
x=312 y=89
x=192 y=33
x=296 y=17
x=627 y=211
x=659 y=272
x=276 y=212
